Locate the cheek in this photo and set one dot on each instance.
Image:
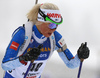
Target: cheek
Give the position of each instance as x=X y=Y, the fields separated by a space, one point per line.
x=43 y=30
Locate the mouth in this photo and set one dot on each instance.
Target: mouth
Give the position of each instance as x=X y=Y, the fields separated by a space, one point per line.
x=49 y=33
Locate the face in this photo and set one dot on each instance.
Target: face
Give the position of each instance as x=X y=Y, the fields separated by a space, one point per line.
x=45 y=30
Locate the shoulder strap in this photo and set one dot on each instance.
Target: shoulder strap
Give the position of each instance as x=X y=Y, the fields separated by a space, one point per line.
x=52 y=41
x=28 y=34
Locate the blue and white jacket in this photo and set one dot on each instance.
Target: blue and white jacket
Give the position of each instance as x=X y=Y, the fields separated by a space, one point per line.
x=16 y=69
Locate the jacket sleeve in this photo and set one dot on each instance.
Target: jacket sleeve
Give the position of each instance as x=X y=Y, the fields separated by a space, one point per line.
x=64 y=52
x=10 y=60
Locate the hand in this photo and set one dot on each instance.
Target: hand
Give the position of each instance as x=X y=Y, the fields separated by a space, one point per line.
x=83 y=51
x=32 y=54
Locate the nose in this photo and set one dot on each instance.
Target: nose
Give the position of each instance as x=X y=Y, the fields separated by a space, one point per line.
x=52 y=30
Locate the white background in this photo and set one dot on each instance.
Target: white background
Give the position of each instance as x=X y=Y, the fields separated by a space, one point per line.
x=81 y=23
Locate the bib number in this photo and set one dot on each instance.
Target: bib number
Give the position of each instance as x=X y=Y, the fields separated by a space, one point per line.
x=35 y=66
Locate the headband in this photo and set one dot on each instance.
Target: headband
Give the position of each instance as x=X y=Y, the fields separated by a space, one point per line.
x=47 y=15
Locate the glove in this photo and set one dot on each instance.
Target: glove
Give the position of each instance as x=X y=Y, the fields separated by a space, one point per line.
x=32 y=54
x=83 y=51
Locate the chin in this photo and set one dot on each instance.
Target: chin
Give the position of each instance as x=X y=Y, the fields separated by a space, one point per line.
x=47 y=35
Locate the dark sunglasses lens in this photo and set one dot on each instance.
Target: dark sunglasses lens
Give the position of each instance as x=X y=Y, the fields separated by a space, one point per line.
x=52 y=25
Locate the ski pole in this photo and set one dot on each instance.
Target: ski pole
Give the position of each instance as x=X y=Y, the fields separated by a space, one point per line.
x=28 y=69
x=32 y=60
x=36 y=1
x=79 y=71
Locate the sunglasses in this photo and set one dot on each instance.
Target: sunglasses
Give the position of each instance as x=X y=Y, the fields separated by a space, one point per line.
x=47 y=18
x=52 y=26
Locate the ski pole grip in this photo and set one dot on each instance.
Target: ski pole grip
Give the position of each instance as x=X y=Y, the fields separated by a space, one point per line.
x=40 y=46
x=82 y=60
x=32 y=61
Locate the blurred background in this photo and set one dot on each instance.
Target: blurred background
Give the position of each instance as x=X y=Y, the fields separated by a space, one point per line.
x=81 y=24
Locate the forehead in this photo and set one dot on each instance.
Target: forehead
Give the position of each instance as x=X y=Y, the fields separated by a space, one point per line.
x=46 y=22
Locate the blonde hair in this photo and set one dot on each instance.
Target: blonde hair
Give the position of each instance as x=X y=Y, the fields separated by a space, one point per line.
x=33 y=13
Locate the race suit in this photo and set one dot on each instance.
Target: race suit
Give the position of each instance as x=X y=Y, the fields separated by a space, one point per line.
x=16 y=69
